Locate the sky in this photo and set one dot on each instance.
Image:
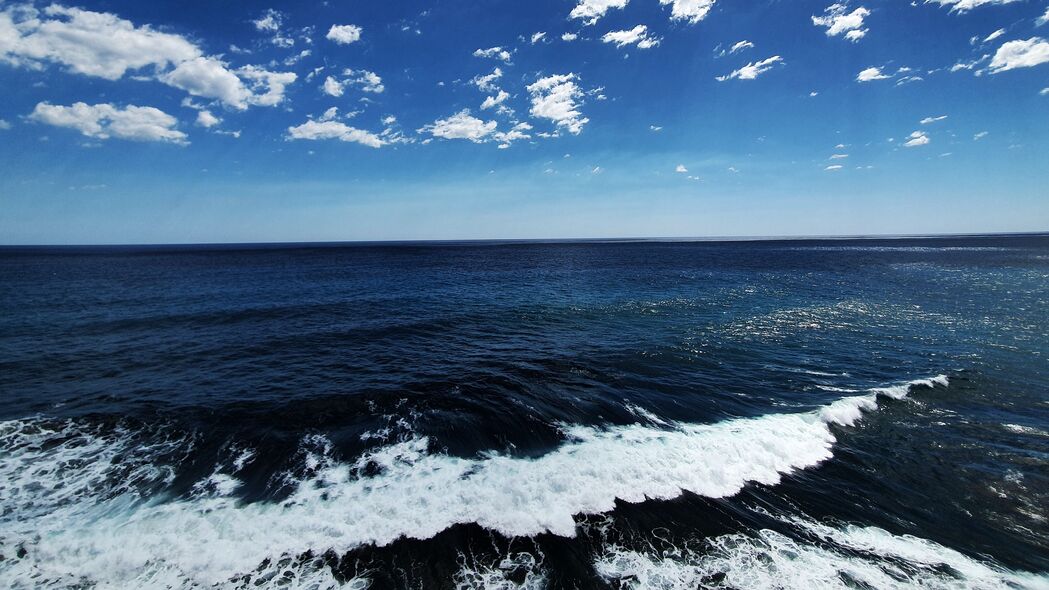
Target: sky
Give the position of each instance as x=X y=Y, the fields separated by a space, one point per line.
x=181 y=122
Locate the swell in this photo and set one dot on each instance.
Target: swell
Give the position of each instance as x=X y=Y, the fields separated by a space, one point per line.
x=66 y=525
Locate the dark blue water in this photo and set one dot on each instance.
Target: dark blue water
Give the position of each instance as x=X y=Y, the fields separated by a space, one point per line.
x=774 y=414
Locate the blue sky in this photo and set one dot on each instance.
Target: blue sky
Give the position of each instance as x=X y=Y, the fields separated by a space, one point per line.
x=130 y=122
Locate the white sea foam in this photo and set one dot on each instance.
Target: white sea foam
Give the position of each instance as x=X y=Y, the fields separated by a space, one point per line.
x=848 y=410
x=516 y=571
x=836 y=389
x=820 y=373
x=851 y=557
x=50 y=469
x=211 y=537
x=900 y=391
x=1021 y=429
x=645 y=415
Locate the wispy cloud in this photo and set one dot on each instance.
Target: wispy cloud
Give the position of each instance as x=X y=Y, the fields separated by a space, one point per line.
x=752 y=70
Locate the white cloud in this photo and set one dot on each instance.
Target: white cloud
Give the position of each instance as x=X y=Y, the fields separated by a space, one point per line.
x=681 y=169
x=4 y=125
x=102 y=121
x=655 y=128
x=740 y=46
x=569 y=37
x=969 y=65
x=368 y=81
x=839 y=156
x=486 y=83
x=332 y=86
x=597 y=170
x=928 y=120
x=537 y=37
x=494 y=101
x=461 y=125
x=592 y=10
x=206 y=119
x=493 y=53
x=840 y=22
x=636 y=36
x=1042 y=19
x=918 y=138
x=967 y=5
x=1043 y=92
x=979 y=136
x=365 y=80
x=209 y=77
x=294 y=59
x=316 y=130
x=692 y=11
x=557 y=98
x=833 y=167
x=514 y=134
x=994 y=35
x=268 y=87
x=90 y=43
x=390 y=135
x=270 y=21
x=103 y=45
x=752 y=70
x=344 y=34
x=870 y=74
x=1020 y=54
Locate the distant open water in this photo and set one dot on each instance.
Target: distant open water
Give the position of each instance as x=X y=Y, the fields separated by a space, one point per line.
x=791 y=414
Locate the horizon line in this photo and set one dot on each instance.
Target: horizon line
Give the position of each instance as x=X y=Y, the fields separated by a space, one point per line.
x=497 y=241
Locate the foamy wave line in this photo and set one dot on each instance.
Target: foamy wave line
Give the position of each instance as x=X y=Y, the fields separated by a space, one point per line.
x=415 y=494
x=845 y=558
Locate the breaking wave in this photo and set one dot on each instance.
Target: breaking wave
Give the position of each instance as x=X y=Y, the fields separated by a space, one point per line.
x=67 y=521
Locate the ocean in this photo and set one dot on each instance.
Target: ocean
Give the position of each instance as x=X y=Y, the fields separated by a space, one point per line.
x=625 y=414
